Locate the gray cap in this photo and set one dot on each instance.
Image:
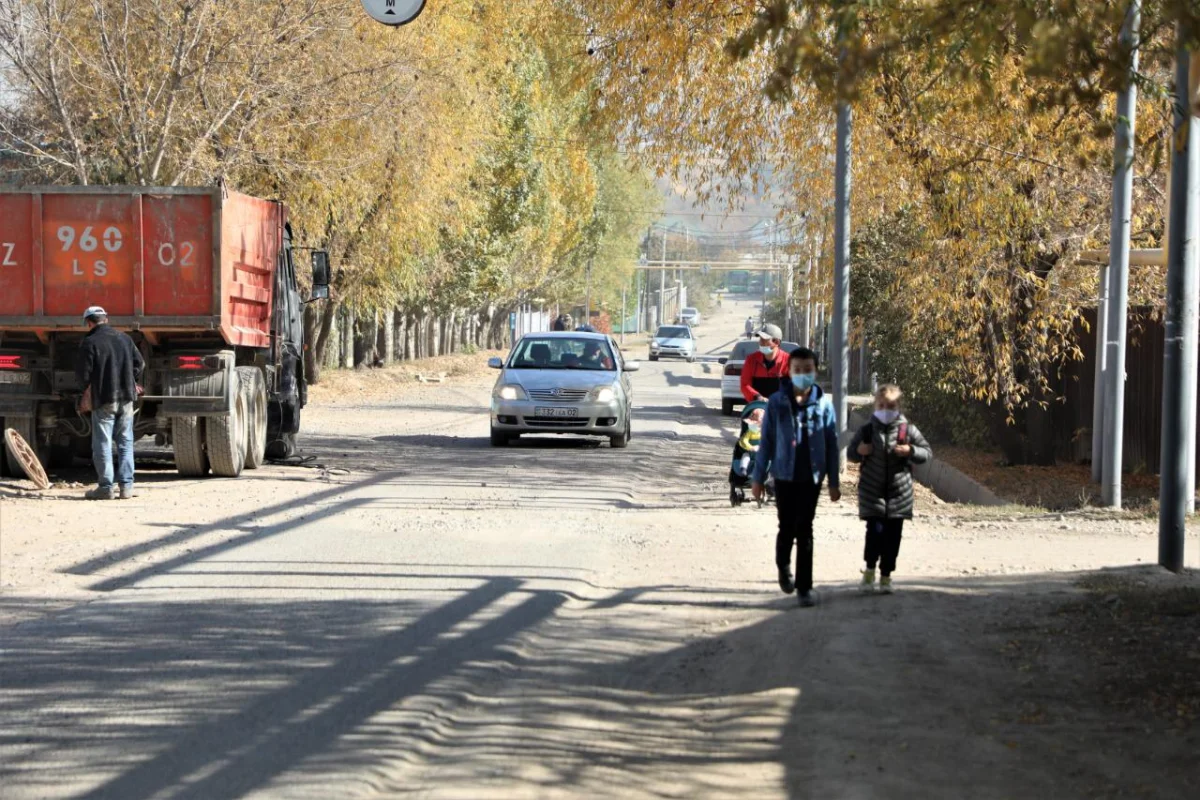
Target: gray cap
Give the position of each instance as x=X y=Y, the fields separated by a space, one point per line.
x=94 y=311
x=770 y=332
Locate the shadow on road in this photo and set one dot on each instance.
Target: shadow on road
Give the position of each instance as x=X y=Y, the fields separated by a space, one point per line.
x=951 y=689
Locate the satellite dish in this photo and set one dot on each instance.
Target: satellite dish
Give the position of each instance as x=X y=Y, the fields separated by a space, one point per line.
x=394 y=12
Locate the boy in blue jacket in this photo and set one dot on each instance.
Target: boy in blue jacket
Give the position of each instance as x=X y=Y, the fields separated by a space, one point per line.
x=799 y=447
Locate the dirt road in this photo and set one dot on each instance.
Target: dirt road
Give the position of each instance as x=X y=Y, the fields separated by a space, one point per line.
x=423 y=615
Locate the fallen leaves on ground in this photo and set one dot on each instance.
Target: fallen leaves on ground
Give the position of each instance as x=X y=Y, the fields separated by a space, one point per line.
x=1058 y=488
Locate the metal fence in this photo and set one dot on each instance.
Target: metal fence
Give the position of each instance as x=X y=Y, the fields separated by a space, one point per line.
x=1143 y=395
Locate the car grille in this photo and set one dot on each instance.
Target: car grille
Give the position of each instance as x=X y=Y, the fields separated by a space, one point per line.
x=559 y=395
x=557 y=422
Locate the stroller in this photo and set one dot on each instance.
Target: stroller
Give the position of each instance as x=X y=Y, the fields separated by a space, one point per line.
x=742 y=466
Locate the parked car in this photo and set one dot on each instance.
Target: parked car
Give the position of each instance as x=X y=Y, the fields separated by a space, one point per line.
x=563 y=382
x=690 y=316
x=675 y=341
x=731 y=379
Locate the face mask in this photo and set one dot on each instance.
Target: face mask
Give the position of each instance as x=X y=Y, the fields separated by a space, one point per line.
x=887 y=415
x=767 y=351
x=803 y=381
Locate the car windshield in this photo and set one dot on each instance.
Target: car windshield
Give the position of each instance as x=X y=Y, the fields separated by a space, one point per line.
x=679 y=332
x=742 y=350
x=690 y=312
x=561 y=352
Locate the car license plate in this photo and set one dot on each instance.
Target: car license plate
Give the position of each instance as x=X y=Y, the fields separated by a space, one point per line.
x=556 y=412
x=18 y=378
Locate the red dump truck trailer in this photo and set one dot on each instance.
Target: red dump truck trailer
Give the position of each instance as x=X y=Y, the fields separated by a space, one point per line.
x=204 y=281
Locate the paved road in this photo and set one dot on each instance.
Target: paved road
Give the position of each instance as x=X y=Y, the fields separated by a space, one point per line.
x=432 y=617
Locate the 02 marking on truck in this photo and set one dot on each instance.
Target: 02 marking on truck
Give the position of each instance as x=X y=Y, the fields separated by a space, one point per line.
x=8 y=253
x=166 y=254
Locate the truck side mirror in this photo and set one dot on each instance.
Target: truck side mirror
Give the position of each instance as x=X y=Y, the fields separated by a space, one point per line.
x=320 y=275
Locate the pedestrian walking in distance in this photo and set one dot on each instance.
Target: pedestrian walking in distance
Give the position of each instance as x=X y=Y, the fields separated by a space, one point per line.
x=749 y=327
x=887 y=447
x=799 y=446
x=108 y=369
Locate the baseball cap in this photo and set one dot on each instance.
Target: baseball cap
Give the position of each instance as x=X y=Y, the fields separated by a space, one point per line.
x=94 y=311
x=770 y=332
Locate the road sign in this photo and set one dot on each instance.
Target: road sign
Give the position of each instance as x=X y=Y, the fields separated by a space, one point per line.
x=394 y=12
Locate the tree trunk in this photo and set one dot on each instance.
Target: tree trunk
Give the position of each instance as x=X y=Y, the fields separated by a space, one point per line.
x=387 y=332
x=367 y=341
x=318 y=323
x=348 y=338
x=332 y=358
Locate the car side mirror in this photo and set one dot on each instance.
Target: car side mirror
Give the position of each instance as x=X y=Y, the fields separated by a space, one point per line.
x=633 y=366
x=723 y=360
x=496 y=363
x=320 y=275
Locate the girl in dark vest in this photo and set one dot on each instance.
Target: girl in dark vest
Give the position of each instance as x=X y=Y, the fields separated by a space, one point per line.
x=886 y=447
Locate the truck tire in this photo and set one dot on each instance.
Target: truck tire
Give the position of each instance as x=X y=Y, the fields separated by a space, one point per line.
x=225 y=436
x=187 y=439
x=3 y=460
x=255 y=390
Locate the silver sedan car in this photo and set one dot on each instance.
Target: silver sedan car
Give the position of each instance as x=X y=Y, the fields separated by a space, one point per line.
x=563 y=382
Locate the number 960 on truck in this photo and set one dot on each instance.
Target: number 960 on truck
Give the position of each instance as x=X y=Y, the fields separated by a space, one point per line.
x=203 y=279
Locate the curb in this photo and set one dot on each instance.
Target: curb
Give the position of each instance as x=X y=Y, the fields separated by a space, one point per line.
x=946 y=481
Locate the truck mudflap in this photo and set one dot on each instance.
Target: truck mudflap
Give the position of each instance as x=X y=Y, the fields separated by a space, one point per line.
x=194 y=384
x=19 y=383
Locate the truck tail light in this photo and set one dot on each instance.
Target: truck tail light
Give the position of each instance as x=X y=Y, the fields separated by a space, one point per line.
x=733 y=370
x=10 y=362
x=198 y=362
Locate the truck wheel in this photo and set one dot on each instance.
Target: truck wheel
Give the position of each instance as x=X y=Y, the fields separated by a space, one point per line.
x=255 y=390
x=27 y=427
x=3 y=460
x=225 y=435
x=187 y=440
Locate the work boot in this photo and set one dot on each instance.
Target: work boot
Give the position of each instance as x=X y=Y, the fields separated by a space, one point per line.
x=808 y=599
x=867 y=586
x=100 y=493
x=785 y=580
x=127 y=493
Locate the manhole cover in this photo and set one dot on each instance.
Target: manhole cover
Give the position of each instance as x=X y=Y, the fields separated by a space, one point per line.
x=23 y=453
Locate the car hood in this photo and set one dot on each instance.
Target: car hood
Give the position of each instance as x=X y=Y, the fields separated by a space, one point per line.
x=539 y=379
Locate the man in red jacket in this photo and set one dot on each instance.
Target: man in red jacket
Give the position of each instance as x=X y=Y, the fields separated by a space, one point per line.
x=763 y=370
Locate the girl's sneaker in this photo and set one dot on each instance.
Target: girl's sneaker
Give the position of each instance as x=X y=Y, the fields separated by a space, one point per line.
x=885 y=584
x=868 y=581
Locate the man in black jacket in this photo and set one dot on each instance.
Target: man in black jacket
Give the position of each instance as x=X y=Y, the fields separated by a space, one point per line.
x=109 y=367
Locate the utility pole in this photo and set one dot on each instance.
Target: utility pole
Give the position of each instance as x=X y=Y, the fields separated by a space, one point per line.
x=1114 y=325
x=1179 y=361
x=841 y=276
x=587 y=309
x=662 y=281
x=624 y=319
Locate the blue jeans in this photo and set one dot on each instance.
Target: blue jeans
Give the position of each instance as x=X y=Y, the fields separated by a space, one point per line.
x=114 y=420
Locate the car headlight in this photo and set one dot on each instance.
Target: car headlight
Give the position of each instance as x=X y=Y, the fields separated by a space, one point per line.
x=604 y=394
x=654 y=345
x=512 y=392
